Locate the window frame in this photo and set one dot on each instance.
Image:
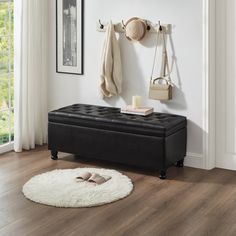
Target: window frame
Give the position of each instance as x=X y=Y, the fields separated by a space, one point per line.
x=9 y=74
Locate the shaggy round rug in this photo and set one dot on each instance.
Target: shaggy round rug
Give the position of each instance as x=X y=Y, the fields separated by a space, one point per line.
x=59 y=188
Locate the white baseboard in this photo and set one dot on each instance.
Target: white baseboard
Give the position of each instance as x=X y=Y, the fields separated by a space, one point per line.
x=194 y=160
x=6 y=148
x=191 y=160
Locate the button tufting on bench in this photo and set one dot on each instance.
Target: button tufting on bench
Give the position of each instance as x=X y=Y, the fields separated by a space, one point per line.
x=107 y=117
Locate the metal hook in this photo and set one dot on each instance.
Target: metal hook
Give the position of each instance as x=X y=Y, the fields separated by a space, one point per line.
x=160 y=27
x=148 y=26
x=101 y=25
x=123 y=24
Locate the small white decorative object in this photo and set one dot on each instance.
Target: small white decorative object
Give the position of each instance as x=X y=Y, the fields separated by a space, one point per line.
x=136 y=101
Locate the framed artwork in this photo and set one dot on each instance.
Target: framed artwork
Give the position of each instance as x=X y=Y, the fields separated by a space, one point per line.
x=69 y=36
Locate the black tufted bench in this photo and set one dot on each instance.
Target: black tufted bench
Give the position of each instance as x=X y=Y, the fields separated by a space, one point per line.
x=156 y=141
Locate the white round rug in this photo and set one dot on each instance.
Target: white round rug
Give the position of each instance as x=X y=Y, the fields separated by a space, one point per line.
x=59 y=188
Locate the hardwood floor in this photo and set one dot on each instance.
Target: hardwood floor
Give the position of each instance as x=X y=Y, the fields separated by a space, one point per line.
x=190 y=202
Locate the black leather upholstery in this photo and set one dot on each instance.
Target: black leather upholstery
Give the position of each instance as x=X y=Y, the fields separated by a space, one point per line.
x=156 y=141
x=110 y=118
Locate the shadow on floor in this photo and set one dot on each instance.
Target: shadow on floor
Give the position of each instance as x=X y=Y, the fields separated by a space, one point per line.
x=186 y=174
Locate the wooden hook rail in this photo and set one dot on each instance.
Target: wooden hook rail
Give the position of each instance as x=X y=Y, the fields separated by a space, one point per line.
x=120 y=27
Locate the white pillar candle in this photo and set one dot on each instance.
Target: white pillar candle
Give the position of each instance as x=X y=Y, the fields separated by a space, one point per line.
x=136 y=101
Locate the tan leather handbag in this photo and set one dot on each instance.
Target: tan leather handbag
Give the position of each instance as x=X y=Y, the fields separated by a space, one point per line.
x=161 y=88
x=160 y=91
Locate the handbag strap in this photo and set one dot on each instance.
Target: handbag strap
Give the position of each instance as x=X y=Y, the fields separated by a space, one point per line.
x=155 y=54
x=165 y=59
x=164 y=56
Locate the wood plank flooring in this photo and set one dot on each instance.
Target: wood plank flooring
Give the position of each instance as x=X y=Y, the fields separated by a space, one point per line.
x=190 y=202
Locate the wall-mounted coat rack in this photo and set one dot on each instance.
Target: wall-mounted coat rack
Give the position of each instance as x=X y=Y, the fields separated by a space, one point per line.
x=120 y=27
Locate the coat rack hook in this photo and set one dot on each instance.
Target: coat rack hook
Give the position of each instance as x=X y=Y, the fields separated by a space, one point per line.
x=148 y=26
x=160 y=27
x=101 y=25
x=123 y=24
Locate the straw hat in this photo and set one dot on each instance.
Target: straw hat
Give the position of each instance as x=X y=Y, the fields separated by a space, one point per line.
x=135 y=29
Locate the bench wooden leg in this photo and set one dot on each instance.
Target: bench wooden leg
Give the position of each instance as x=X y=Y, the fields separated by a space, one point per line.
x=162 y=174
x=54 y=155
x=180 y=163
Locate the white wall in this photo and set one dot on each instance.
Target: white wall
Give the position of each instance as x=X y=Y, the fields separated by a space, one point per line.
x=185 y=49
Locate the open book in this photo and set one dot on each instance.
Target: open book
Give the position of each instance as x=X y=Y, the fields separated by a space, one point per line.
x=143 y=111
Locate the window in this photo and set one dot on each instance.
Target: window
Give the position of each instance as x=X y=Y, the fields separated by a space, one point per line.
x=6 y=75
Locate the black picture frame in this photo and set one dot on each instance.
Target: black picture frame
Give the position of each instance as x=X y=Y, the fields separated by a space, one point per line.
x=69 y=40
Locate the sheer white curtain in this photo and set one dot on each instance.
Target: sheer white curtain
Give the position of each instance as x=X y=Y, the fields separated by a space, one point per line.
x=30 y=73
